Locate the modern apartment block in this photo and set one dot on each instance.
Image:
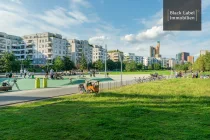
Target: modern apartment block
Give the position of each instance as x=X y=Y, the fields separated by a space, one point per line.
x=114 y=55
x=99 y=53
x=79 y=47
x=203 y=52
x=128 y=57
x=190 y=59
x=139 y=59
x=46 y=46
x=152 y=51
x=182 y=57
x=172 y=62
x=14 y=44
x=147 y=61
x=164 y=62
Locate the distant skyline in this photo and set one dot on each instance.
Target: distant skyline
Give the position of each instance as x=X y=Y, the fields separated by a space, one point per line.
x=128 y=25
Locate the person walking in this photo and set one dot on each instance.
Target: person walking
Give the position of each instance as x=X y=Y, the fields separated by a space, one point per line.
x=25 y=73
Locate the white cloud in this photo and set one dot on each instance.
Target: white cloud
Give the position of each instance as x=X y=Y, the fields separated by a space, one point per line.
x=17 y=1
x=76 y=4
x=154 y=33
x=98 y=39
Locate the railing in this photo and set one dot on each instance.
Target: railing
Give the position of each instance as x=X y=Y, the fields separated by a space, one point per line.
x=117 y=84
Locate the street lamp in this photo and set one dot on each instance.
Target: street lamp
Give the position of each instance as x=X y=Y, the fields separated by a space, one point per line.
x=105 y=60
x=121 y=66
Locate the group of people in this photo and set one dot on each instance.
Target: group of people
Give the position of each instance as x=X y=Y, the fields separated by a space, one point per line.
x=24 y=73
x=92 y=73
x=53 y=75
x=178 y=74
x=195 y=75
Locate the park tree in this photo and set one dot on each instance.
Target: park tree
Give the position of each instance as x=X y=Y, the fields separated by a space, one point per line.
x=150 y=67
x=131 y=66
x=68 y=64
x=99 y=65
x=157 y=66
x=207 y=61
x=110 y=64
x=58 y=63
x=199 y=63
x=9 y=62
x=26 y=62
x=83 y=62
x=139 y=66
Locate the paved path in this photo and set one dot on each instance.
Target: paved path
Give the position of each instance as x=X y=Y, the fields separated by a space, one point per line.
x=8 y=98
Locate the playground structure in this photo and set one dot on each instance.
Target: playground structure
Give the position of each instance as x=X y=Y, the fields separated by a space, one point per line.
x=6 y=85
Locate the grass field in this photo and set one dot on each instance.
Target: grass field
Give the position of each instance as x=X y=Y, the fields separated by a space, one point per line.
x=166 y=72
x=174 y=109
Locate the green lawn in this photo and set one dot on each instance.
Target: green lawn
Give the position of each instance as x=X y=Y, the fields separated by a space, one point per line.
x=174 y=109
x=166 y=72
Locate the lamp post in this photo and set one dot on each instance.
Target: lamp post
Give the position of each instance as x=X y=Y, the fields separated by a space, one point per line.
x=120 y=66
x=105 y=60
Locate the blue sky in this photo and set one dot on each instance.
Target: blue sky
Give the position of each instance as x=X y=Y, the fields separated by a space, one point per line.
x=129 y=25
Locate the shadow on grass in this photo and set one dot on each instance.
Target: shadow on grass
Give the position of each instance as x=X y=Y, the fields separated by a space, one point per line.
x=105 y=117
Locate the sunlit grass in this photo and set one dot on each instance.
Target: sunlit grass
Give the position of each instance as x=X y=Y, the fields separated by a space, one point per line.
x=174 y=109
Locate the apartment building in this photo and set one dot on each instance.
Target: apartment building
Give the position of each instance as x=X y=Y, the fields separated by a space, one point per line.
x=79 y=47
x=172 y=62
x=43 y=47
x=114 y=55
x=13 y=44
x=203 y=52
x=150 y=60
x=164 y=62
x=139 y=59
x=128 y=57
x=190 y=59
x=99 y=53
x=182 y=57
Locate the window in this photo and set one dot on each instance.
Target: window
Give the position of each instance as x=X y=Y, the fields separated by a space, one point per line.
x=40 y=41
x=42 y=51
x=42 y=46
x=43 y=40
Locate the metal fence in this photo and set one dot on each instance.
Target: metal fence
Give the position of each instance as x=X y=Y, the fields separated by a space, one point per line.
x=117 y=84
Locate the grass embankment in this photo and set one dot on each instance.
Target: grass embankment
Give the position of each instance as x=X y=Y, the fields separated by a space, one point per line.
x=166 y=72
x=174 y=109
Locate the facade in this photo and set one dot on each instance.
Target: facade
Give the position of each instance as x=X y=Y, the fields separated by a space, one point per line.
x=128 y=57
x=157 y=50
x=139 y=59
x=114 y=55
x=164 y=62
x=79 y=47
x=43 y=47
x=99 y=53
x=152 y=51
x=13 y=44
x=182 y=57
x=190 y=59
x=172 y=62
x=203 y=52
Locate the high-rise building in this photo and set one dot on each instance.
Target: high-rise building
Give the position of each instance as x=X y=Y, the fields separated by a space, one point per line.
x=13 y=44
x=152 y=51
x=157 y=50
x=114 y=55
x=79 y=47
x=203 y=52
x=128 y=57
x=99 y=53
x=190 y=59
x=139 y=59
x=182 y=57
x=46 y=46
